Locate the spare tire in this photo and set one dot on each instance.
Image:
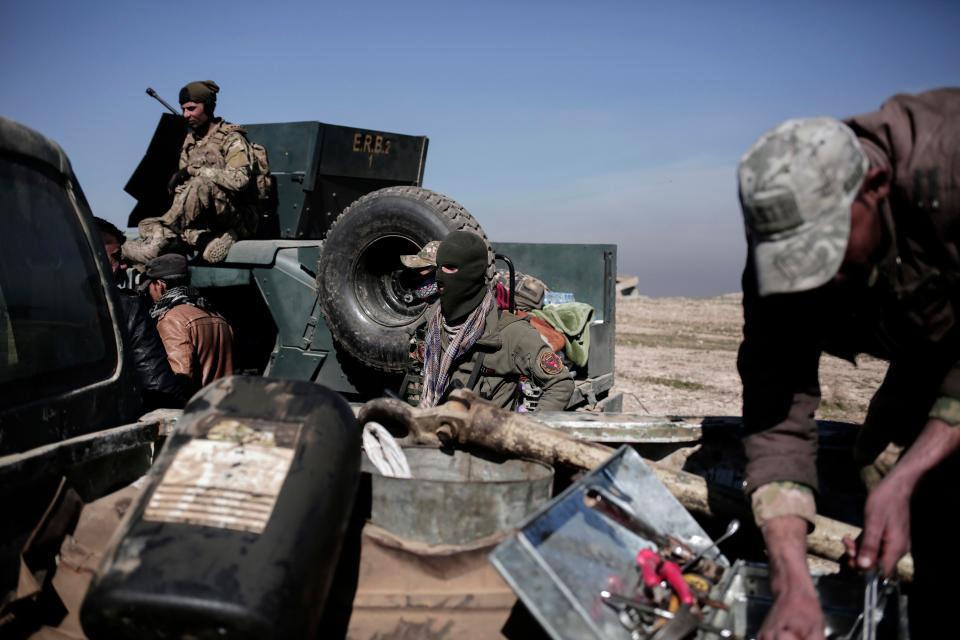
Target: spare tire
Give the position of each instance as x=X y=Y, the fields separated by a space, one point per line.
x=361 y=281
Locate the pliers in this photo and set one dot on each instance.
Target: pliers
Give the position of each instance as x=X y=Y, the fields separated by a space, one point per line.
x=657 y=570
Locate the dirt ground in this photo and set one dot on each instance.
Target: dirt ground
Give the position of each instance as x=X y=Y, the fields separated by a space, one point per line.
x=677 y=356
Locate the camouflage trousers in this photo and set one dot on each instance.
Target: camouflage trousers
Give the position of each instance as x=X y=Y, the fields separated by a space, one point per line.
x=203 y=217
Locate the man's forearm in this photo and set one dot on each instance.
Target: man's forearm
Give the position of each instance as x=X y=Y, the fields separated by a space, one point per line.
x=936 y=443
x=796 y=611
x=786 y=539
x=229 y=179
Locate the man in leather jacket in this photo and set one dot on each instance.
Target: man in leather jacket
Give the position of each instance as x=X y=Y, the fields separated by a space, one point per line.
x=198 y=340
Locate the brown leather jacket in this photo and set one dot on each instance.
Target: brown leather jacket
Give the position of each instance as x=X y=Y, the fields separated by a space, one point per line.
x=907 y=314
x=199 y=345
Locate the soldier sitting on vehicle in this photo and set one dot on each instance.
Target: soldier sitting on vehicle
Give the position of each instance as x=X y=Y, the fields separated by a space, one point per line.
x=199 y=342
x=472 y=344
x=215 y=198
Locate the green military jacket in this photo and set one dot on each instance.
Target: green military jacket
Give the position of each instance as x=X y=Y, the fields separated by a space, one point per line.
x=512 y=348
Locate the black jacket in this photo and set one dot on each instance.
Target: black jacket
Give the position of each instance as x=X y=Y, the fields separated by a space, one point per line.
x=158 y=385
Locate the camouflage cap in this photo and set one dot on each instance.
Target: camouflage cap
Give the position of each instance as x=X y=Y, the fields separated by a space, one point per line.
x=427 y=257
x=797 y=183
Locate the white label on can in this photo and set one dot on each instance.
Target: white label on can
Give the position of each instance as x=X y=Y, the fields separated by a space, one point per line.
x=221 y=484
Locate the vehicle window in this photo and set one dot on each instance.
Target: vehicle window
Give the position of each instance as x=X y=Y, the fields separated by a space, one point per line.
x=55 y=331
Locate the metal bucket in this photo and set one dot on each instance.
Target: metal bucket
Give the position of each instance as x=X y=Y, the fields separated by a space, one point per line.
x=456 y=497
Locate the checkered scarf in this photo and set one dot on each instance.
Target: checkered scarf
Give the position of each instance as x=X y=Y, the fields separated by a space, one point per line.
x=437 y=362
x=179 y=295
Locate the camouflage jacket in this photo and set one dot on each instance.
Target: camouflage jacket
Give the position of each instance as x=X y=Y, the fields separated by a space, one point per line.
x=512 y=348
x=222 y=156
x=906 y=313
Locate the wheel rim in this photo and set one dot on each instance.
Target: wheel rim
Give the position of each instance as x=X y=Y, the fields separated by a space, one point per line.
x=382 y=285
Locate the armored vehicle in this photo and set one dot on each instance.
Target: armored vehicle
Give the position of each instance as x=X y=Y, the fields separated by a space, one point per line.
x=321 y=294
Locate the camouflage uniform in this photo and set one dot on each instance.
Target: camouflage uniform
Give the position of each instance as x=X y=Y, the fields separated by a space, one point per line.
x=211 y=210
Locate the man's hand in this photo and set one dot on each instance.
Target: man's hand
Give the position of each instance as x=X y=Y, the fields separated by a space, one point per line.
x=796 y=613
x=886 y=522
x=177 y=179
x=886 y=527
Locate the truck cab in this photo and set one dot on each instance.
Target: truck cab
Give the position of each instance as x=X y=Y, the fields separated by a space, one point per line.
x=64 y=372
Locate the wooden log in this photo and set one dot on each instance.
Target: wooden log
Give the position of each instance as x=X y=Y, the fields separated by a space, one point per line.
x=468 y=419
x=520 y=435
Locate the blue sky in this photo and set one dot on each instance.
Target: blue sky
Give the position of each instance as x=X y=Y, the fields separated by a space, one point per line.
x=555 y=121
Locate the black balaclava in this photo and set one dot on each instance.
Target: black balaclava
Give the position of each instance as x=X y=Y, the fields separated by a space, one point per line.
x=461 y=292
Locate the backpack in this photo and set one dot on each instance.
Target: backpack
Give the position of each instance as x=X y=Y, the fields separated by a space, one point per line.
x=262 y=185
x=263 y=181
x=529 y=290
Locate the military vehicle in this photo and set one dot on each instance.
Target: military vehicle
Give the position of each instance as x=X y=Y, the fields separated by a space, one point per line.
x=320 y=294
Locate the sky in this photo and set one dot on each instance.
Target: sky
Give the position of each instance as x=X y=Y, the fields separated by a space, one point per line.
x=550 y=121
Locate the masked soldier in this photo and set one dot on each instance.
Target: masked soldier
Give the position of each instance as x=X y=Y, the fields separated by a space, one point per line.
x=472 y=344
x=214 y=201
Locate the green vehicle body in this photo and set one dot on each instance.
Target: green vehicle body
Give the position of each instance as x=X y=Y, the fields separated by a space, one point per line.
x=267 y=290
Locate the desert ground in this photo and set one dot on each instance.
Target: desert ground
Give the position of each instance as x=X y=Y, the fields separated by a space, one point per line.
x=677 y=356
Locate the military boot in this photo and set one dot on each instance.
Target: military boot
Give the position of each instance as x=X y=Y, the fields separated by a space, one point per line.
x=218 y=248
x=155 y=237
x=139 y=252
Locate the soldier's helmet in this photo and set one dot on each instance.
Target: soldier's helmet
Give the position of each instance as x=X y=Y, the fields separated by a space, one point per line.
x=426 y=257
x=797 y=183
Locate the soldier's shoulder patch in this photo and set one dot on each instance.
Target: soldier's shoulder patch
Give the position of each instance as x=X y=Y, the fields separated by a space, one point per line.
x=550 y=362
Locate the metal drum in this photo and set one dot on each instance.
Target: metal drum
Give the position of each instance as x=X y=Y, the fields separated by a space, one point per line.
x=457 y=497
x=423 y=569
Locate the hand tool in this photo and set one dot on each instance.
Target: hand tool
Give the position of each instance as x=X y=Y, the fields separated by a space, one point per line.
x=732 y=528
x=684 y=614
x=871 y=615
x=605 y=502
x=875 y=591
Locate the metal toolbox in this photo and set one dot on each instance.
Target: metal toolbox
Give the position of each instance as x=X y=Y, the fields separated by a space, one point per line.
x=566 y=553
